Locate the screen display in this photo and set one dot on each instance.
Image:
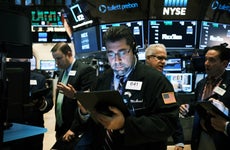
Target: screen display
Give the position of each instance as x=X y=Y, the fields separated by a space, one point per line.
x=79 y=14
x=48 y=65
x=46 y=18
x=174 y=34
x=50 y=37
x=86 y=40
x=199 y=76
x=47 y=25
x=213 y=33
x=182 y=82
x=228 y=67
x=137 y=28
x=173 y=64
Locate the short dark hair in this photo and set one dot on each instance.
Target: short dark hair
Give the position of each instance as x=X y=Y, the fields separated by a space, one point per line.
x=64 y=47
x=117 y=33
x=224 y=52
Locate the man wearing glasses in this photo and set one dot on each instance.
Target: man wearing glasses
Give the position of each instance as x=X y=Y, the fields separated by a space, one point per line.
x=156 y=56
x=151 y=96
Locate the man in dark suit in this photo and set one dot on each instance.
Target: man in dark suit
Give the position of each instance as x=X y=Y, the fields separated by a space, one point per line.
x=215 y=88
x=148 y=94
x=155 y=56
x=76 y=76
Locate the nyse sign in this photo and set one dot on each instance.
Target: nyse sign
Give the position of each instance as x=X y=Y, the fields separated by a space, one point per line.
x=175 y=7
x=174 y=11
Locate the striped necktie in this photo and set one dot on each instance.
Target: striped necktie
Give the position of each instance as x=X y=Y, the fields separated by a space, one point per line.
x=109 y=133
x=121 y=84
x=60 y=100
x=108 y=140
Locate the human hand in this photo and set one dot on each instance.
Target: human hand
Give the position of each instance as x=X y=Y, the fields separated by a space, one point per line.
x=114 y=122
x=220 y=105
x=39 y=103
x=68 y=90
x=68 y=136
x=178 y=148
x=184 y=109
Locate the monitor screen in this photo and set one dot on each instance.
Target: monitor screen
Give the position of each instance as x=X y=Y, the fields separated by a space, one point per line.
x=48 y=65
x=79 y=14
x=85 y=40
x=182 y=82
x=199 y=76
x=47 y=25
x=50 y=37
x=174 y=34
x=173 y=64
x=137 y=28
x=228 y=67
x=213 y=33
x=46 y=17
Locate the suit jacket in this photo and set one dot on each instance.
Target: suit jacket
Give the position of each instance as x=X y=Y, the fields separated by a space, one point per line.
x=33 y=115
x=151 y=122
x=81 y=81
x=220 y=139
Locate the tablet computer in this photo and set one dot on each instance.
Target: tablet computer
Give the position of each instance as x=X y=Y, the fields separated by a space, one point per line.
x=206 y=106
x=101 y=100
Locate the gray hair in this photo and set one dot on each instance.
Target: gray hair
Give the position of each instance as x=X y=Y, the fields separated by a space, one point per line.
x=150 y=50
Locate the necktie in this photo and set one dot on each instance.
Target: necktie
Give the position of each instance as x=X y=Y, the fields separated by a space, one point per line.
x=108 y=140
x=121 y=85
x=60 y=100
x=209 y=86
x=109 y=133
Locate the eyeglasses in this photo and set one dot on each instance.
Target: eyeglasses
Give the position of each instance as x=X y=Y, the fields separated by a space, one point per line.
x=158 y=57
x=120 y=53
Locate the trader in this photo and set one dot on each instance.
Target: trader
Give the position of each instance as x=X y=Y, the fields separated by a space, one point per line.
x=148 y=94
x=214 y=86
x=75 y=74
x=155 y=56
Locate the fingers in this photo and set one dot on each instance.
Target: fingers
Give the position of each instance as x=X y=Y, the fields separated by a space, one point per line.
x=69 y=135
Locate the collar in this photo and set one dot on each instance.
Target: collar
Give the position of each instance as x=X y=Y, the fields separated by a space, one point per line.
x=70 y=67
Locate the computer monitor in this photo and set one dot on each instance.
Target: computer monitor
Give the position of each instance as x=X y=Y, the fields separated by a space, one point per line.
x=213 y=33
x=228 y=67
x=173 y=65
x=47 y=25
x=182 y=82
x=137 y=28
x=48 y=65
x=198 y=77
x=86 y=40
x=174 y=34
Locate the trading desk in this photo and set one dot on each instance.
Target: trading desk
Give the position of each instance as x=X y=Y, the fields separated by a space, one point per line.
x=19 y=131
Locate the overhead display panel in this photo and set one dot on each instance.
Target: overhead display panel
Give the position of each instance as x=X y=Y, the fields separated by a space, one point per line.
x=136 y=27
x=104 y=11
x=174 y=34
x=47 y=25
x=213 y=33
